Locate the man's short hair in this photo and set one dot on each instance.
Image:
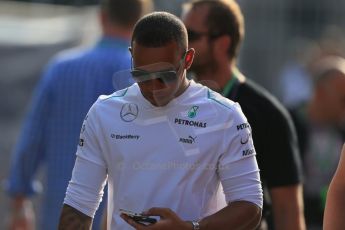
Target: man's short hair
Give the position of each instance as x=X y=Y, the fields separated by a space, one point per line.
x=158 y=29
x=224 y=18
x=124 y=12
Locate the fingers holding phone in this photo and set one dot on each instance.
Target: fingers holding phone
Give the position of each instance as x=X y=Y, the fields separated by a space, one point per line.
x=137 y=219
x=169 y=220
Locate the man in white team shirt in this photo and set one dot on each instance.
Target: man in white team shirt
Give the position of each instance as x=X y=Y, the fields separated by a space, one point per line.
x=165 y=145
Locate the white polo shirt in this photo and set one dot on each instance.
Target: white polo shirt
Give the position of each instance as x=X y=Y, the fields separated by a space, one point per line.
x=175 y=156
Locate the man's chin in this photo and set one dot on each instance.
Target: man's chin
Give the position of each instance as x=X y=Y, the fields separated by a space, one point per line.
x=205 y=69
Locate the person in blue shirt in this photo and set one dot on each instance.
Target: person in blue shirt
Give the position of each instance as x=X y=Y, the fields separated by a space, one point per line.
x=71 y=83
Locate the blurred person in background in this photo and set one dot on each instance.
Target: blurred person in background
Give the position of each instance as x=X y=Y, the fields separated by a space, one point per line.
x=70 y=84
x=215 y=31
x=295 y=80
x=321 y=133
x=335 y=203
x=173 y=7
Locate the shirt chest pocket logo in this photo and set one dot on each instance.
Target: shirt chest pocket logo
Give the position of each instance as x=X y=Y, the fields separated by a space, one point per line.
x=129 y=112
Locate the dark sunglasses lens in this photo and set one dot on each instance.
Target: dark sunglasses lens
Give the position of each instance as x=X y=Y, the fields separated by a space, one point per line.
x=165 y=76
x=139 y=75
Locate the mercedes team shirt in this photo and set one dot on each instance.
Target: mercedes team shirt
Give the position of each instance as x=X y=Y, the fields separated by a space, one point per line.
x=193 y=155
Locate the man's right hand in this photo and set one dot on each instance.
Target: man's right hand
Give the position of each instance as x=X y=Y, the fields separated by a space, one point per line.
x=22 y=215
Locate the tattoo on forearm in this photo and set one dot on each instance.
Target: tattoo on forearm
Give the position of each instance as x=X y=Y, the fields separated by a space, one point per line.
x=72 y=219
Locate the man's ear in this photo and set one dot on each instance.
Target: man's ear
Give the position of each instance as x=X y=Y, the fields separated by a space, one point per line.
x=130 y=50
x=189 y=58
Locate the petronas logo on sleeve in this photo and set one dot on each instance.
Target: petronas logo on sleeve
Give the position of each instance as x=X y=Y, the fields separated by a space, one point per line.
x=192 y=111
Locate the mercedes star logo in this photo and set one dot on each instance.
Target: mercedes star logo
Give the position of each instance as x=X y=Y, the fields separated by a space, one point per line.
x=129 y=112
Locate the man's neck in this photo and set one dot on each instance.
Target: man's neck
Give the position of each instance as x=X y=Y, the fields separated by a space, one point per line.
x=184 y=85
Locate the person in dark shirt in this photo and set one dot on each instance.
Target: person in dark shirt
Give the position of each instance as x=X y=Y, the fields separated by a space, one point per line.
x=215 y=30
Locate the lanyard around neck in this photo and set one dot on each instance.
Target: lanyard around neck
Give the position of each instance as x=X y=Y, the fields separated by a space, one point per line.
x=230 y=85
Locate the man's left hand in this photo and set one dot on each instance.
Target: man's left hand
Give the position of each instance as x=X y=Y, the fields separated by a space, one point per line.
x=168 y=220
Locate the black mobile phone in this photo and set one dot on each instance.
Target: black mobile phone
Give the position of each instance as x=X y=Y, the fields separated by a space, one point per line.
x=139 y=217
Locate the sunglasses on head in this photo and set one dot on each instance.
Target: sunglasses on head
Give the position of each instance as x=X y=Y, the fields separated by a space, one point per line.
x=194 y=35
x=166 y=76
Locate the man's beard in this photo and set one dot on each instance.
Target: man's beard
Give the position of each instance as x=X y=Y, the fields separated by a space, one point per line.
x=202 y=72
x=205 y=67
